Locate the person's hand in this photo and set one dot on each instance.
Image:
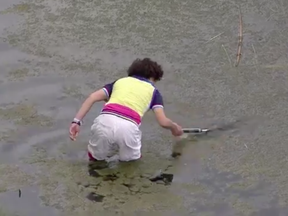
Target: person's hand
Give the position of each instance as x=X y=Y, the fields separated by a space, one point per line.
x=177 y=130
x=74 y=131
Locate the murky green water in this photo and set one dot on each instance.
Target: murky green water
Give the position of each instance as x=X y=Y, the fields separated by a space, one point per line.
x=54 y=53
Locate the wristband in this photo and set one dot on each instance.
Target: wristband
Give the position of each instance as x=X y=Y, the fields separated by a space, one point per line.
x=77 y=121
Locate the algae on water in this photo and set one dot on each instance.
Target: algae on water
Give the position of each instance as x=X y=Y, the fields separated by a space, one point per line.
x=5 y=213
x=13 y=178
x=73 y=91
x=20 y=74
x=21 y=8
x=24 y=114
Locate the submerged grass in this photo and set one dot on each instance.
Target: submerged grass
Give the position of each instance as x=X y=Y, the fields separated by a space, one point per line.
x=13 y=178
x=125 y=189
x=4 y=213
x=24 y=114
x=21 y=74
x=22 y=8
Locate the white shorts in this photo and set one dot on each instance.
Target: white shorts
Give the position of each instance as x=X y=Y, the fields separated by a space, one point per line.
x=112 y=135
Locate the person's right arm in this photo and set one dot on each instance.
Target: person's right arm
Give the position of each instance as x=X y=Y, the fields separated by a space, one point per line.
x=157 y=106
x=167 y=123
x=162 y=120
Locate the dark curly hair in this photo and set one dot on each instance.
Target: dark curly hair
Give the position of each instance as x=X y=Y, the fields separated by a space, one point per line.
x=146 y=68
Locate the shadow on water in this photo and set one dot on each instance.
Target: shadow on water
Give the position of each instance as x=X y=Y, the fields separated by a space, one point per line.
x=215 y=131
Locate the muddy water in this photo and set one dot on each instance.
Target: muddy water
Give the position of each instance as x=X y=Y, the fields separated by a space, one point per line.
x=54 y=53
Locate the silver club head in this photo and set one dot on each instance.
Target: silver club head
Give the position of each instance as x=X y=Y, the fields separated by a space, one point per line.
x=195 y=130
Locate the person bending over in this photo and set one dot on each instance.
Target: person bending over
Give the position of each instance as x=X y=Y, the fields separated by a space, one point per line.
x=116 y=129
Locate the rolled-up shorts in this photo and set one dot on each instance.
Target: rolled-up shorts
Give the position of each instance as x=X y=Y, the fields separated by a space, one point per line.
x=112 y=135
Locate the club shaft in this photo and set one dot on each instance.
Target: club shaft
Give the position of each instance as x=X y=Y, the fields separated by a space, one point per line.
x=192 y=130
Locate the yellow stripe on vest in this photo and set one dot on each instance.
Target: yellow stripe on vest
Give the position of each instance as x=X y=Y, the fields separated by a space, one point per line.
x=133 y=93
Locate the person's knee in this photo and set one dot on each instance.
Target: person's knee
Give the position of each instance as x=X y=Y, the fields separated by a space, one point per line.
x=91 y=157
x=98 y=156
x=96 y=152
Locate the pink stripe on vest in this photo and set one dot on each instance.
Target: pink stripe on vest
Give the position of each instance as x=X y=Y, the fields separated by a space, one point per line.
x=123 y=111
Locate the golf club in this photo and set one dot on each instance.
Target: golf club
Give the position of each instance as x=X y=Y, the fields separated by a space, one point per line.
x=195 y=130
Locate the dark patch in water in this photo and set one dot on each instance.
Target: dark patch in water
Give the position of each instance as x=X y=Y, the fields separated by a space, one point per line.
x=110 y=177
x=95 y=197
x=217 y=130
x=227 y=126
x=97 y=165
x=94 y=173
x=128 y=185
x=91 y=185
x=175 y=154
x=164 y=177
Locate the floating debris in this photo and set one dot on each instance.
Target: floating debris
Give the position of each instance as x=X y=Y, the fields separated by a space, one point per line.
x=218 y=35
x=240 y=41
x=255 y=55
x=164 y=177
x=156 y=175
x=228 y=57
x=95 y=197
